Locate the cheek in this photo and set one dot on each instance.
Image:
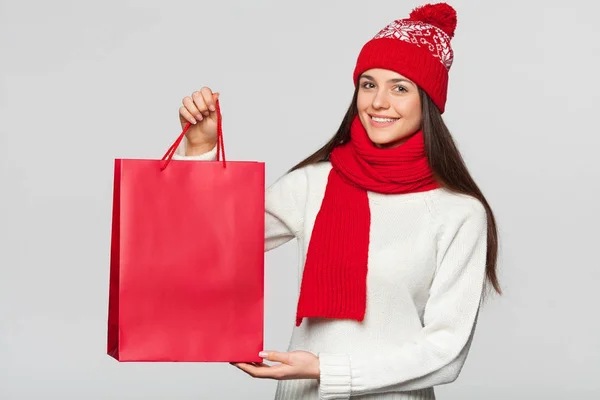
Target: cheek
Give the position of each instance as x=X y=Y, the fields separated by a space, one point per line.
x=410 y=110
x=362 y=101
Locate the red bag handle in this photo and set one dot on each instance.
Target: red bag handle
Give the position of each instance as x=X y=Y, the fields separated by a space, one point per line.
x=220 y=145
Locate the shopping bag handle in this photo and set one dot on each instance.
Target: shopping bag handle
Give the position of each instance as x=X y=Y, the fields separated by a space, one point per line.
x=220 y=145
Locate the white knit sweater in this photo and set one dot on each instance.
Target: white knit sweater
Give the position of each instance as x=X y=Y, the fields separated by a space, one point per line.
x=426 y=271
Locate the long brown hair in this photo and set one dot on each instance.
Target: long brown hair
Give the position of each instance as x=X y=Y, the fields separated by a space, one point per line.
x=444 y=159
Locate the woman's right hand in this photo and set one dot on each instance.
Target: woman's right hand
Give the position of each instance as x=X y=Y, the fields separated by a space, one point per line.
x=199 y=109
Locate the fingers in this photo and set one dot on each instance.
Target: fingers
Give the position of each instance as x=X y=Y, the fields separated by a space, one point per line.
x=200 y=102
x=275 y=356
x=208 y=100
x=186 y=115
x=248 y=368
x=292 y=365
x=259 y=364
x=262 y=370
x=256 y=364
x=190 y=105
x=199 y=105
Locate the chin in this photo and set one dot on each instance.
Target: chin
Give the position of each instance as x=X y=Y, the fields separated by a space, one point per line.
x=387 y=141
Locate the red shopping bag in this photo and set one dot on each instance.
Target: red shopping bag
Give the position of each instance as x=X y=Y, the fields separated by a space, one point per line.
x=187 y=259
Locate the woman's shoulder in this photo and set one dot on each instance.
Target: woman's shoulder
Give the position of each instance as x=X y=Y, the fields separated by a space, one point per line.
x=317 y=169
x=448 y=203
x=316 y=172
x=300 y=179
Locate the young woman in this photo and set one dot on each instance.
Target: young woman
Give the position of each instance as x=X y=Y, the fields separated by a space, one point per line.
x=396 y=237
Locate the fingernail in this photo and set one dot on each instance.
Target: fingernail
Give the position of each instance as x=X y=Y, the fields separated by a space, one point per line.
x=212 y=108
x=263 y=354
x=206 y=113
x=194 y=121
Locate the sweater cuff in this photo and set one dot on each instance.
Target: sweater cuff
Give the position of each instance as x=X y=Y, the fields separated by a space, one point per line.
x=335 y=376
x=210 y=155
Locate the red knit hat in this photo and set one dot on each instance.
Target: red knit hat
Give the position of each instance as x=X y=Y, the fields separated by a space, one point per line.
x=417 y=47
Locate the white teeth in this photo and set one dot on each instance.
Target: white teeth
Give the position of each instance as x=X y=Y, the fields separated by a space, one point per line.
x=383 y=119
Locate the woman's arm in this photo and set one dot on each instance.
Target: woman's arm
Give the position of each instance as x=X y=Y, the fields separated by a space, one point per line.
x=436 y=355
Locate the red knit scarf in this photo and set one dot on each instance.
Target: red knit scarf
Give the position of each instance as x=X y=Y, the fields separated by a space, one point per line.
x=334 y=282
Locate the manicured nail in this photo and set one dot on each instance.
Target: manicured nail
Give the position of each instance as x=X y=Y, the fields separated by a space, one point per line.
x=263 y=354
x=199 y=117
x=206 y=113
x=212 y=108
x=194 y=121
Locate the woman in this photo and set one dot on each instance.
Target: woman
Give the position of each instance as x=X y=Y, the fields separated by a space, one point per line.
x=396 y=237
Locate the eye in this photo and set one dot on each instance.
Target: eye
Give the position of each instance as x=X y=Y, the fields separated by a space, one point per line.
x=367 y=85
x=400 y=88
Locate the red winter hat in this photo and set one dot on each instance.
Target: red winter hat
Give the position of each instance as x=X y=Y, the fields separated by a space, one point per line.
x=417 y=47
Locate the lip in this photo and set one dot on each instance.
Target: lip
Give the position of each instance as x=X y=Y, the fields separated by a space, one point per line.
x=381 y=124
x=381 y=116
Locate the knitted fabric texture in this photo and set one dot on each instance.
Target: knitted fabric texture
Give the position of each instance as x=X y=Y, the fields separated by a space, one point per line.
x=335 y=273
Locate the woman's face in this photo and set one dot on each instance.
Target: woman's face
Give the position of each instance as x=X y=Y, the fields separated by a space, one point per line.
x=389 y=107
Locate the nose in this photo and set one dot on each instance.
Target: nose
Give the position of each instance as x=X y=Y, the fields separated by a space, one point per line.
x=380 y=100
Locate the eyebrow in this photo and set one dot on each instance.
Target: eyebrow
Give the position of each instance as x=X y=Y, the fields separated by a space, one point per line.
x=395 y=80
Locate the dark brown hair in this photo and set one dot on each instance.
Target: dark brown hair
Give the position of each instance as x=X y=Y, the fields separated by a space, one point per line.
x=444 y=159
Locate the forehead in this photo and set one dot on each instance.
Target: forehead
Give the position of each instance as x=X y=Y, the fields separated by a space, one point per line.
x=383 y=74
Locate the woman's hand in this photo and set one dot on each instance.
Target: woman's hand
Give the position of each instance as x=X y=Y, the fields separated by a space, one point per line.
x=292 y=365
x=199 y=109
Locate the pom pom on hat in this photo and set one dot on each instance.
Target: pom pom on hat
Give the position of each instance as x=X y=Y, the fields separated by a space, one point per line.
x=440 y=15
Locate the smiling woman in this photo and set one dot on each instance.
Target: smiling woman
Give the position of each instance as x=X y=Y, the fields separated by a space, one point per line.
x=396 y=238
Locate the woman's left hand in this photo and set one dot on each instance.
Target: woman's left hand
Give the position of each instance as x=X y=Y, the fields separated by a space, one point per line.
x=292 y=365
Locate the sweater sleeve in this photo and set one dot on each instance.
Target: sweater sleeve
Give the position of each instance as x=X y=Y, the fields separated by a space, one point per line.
x=284 y=201
x=437 y=353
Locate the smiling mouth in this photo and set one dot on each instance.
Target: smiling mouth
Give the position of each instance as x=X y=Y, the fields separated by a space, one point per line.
x=383 y=120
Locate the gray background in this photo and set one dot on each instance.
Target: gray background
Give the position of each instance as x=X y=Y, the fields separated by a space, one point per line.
x=85 y=82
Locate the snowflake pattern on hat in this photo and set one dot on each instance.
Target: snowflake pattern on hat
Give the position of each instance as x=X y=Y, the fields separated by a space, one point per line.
x=422 y=35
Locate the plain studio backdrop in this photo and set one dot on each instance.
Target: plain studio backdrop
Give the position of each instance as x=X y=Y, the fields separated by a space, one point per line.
x=85 y=82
